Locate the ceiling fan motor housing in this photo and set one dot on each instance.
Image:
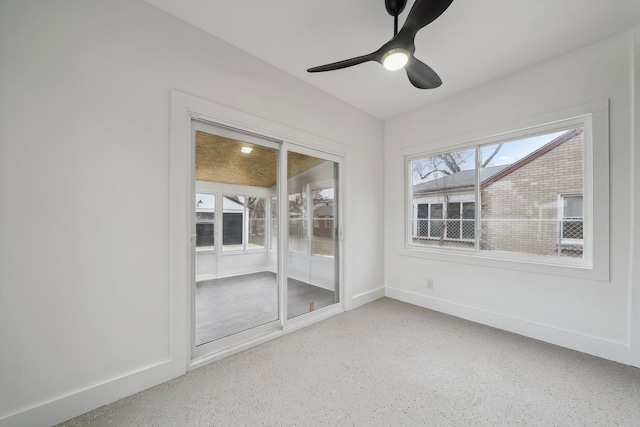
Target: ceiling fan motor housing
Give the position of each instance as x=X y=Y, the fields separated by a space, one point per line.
x=395 y=7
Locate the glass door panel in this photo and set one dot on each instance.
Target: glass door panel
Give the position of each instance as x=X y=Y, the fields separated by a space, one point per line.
x=236 y=174
x=205 y=237
x=312 y=255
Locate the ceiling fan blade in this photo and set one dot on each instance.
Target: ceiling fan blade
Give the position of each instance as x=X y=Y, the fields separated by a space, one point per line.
x=421 y=75
x=424 y=12
x=346 y=63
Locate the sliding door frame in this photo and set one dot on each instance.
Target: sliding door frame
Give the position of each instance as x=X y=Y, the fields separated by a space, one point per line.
x=184 y=109
x=283 y=224
x=207 y=126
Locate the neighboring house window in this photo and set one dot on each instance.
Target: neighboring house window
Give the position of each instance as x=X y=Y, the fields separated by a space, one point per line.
x=461 y=220
x=450 y=221
x=571 y=224
x=503 y=197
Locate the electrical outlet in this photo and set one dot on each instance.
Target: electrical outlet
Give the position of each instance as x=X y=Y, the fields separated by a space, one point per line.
x=429 y=283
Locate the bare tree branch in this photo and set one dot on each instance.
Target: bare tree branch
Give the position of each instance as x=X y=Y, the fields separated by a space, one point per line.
x=451 y=162
x=486 y=162
x=426 y=175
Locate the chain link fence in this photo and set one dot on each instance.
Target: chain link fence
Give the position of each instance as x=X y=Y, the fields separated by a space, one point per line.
x=530 y=236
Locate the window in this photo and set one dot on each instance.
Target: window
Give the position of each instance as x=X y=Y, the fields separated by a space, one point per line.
x=205 y=220
x=323 y=215
x=274 y=223
x=521 y=195
x=452 y=222
x=232 y=222
x=257 y=217
x=571 y=217
x=298 y=222
x=243 y=222
x=444 y=199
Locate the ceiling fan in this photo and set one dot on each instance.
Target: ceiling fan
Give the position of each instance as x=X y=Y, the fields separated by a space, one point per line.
x=398 y=52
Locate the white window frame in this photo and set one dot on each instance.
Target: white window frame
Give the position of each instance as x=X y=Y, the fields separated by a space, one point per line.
x=246 y=222
x=595 y=263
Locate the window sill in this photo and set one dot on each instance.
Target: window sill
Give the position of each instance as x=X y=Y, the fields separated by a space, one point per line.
x=566 y=267
x=243 y=252
x=205 y=249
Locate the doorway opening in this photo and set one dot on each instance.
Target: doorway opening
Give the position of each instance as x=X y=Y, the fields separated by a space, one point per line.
x=254 y=269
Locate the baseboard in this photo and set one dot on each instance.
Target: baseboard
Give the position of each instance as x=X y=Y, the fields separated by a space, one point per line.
x=81 y=401
x=610 y=350
x=365 y=298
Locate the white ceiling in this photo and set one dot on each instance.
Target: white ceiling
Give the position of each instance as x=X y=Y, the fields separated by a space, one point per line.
x=473 y=42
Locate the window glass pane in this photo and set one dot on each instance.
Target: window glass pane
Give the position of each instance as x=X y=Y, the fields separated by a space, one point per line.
x=453 y=221
x=312 y=273
x=572 y=206
x=256 y=207
x=445 y=180
x=204 y=235
x=572 y=226
x=297 y=223
x=529 y=193
x=232 y=222
x=468 y=224
x=436 y=211
x=421 y=223
x=519 y=186
x=205 y=201
x=469 y=210
x=274 y=223
x=205 y=220
x=436 y=227
x=323 y=215
x=204 y=217
x=233 y=293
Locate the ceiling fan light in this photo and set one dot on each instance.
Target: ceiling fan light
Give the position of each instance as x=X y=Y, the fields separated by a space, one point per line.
x=395 y=59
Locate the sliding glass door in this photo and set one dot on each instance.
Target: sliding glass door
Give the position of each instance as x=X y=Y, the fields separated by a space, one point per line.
x=312 y=235
x=254 y=269
x=236 y=287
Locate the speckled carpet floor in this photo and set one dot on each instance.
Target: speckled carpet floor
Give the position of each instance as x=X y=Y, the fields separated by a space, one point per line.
x=390 y=364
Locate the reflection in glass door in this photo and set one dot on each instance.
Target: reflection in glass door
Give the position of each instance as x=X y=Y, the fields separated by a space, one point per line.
x=312 y=219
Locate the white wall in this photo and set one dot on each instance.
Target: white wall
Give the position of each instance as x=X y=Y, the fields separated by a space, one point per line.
x=84 y=133
x=634 y=332
x=588 y=315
